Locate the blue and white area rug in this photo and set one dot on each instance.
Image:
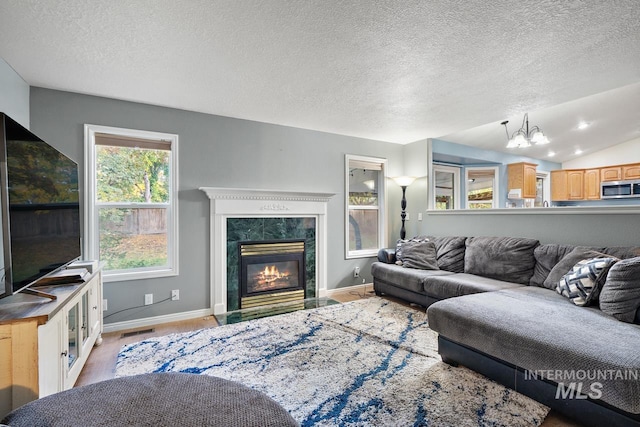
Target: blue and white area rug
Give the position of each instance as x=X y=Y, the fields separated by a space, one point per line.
x=370 y=362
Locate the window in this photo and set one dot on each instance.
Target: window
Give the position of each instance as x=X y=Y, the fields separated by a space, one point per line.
x=446 y=184
x=365 y=199
x=482 y=187
x=131 y=211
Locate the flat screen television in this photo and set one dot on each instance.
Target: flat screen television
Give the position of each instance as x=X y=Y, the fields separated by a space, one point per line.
x=40 y=208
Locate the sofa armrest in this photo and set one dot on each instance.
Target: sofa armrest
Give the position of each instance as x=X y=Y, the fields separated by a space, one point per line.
x=387 y=255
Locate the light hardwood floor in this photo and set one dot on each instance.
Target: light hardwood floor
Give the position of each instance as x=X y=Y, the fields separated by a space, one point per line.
x=102 y=360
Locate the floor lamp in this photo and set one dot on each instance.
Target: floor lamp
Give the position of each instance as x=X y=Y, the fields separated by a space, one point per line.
x=403 y=182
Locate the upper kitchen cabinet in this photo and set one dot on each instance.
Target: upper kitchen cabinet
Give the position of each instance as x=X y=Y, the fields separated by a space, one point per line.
x=522 y=176
x=611 y=173
x=592 y=184
x=631 y=171
x=620 y=172
x=567 y=184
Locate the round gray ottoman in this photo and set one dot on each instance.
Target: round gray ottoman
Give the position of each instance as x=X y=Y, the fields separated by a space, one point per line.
x=163 y=399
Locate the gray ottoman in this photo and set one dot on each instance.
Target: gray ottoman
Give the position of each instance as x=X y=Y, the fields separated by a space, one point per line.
x=163 y=399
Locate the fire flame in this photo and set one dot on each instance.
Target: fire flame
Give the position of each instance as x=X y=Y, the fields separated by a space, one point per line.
x=271 y=271
x=271 y=274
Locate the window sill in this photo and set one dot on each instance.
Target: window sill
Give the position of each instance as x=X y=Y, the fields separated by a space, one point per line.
x=137 y=275
x=362 y=254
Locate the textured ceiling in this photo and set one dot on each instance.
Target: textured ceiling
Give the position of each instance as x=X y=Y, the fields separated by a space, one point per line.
x=396 y=71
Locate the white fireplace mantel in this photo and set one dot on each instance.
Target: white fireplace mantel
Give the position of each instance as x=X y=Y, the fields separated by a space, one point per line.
x=247 y=203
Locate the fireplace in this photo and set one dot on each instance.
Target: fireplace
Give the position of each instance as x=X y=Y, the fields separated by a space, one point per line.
x=271 y=272
x=229 y=205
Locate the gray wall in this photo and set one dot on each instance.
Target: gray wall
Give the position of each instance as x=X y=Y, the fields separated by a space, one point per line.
x=14 y=95
x=548 y=226
x=416 y=162
x=217 y=152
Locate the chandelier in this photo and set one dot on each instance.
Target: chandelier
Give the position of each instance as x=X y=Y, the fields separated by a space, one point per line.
x=524 y=136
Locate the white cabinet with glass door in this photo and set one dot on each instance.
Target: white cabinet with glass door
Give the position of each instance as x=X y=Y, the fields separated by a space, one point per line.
x=82 y=329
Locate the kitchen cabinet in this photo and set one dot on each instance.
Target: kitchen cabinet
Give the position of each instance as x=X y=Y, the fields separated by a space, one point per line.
x=584 y=184
x=631 y=171
x=620 y=172
x=558 y=185
x=567 y=184
x=522 y=176
x=611 y=173
x=592 y=184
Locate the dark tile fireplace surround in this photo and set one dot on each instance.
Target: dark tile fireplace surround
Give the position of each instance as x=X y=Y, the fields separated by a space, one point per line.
x=270 y=260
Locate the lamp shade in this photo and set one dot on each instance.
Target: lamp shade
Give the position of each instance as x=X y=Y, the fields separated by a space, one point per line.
x=404 y=181
x=539 y=138
x=512 y=143
x=523 y=137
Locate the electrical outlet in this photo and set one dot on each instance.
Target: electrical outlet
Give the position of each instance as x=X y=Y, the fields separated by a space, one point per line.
x=419 y=216
x=175 y=295
x=356 y=272
x=148 y=299
x=104 y=305
x=408 y=217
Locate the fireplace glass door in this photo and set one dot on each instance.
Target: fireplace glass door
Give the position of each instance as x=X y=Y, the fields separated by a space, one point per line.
x=271 y=272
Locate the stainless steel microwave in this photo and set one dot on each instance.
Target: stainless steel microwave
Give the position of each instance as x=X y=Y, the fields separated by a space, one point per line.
x=619 y=189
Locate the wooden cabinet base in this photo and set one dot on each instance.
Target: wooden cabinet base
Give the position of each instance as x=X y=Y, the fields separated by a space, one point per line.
x=35 y=340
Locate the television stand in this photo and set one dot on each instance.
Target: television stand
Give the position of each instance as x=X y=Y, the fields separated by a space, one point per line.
x=39 y=293
x=45 y=344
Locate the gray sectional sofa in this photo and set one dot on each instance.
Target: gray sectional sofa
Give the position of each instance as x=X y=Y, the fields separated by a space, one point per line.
x=494 y=303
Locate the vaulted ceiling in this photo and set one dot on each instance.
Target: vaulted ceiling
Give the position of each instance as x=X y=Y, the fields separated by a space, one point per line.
x=396 y=71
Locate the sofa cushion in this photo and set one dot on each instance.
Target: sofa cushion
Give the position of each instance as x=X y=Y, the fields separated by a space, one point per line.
x=547 y=256
x=509 y=259
x=407 y=278
x=622 y=252
x=458 y=284
x=421 y=255
x=567 y=262
x=400 y=244
x=539 y=330
x=450 y=252
x=583 y=282
x=620 y=295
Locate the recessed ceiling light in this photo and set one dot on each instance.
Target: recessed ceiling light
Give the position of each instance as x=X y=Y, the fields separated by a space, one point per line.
x=551 y=154
x=578 y=151
x=583 y=125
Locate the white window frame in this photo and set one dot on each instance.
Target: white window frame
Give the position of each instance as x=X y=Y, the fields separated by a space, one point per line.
x=546 y=186
x=381 y=207
x=495 y=203
x=456 y=192
x=91 y=222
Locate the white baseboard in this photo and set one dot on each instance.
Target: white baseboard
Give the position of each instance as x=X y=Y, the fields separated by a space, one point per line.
x=365 y=287
x=156 y=320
